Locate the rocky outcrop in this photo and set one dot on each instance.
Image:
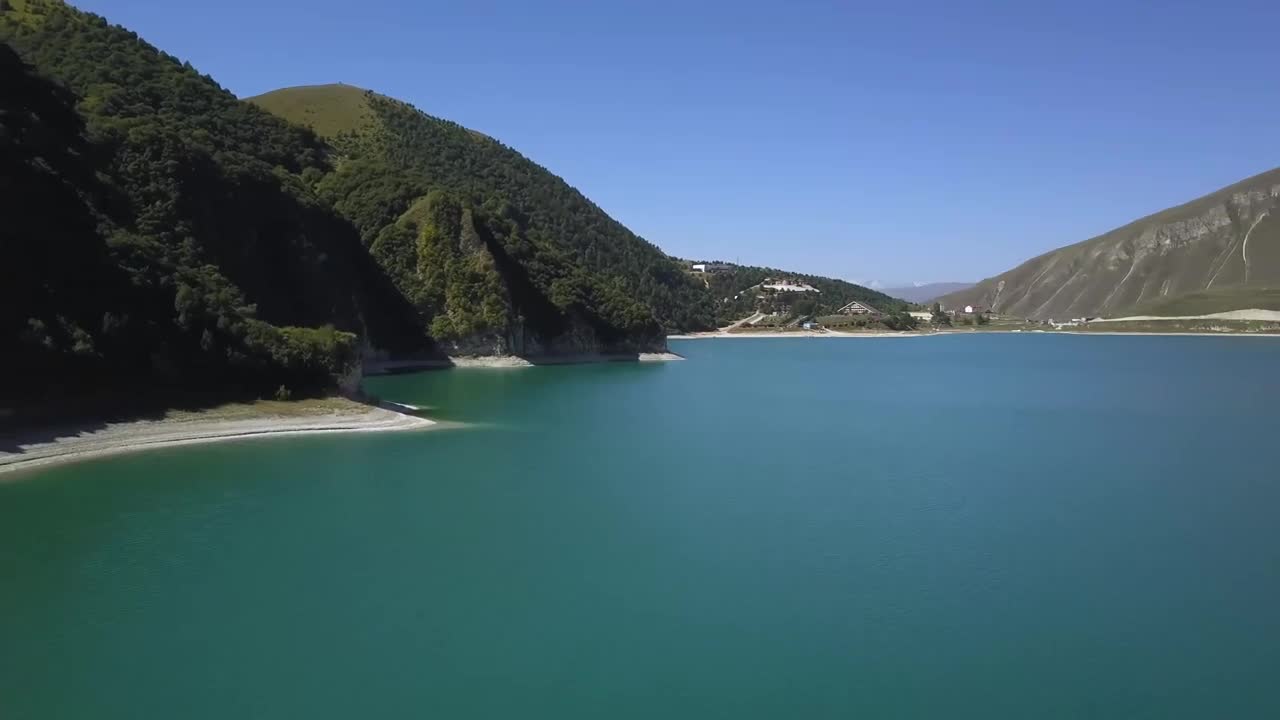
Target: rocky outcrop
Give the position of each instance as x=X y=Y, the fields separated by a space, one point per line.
x=578 y=340
x=1229 y=238
x=483 y=291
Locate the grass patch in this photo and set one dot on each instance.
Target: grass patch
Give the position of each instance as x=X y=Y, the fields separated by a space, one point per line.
x=326 y=109
x=1207 y=302
x=1224 y=327
x=272 y=408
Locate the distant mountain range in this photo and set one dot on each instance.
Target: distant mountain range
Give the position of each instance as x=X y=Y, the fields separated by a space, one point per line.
x=1223 y=247
x=926 y=292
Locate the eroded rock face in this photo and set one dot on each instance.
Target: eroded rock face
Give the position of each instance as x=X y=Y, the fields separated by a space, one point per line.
x=1230 y=238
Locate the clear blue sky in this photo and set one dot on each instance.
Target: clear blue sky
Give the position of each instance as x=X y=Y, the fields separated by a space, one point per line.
x=889 y=141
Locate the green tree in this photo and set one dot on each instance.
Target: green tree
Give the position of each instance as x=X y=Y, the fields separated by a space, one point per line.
x=900 y=320
x=940 y=317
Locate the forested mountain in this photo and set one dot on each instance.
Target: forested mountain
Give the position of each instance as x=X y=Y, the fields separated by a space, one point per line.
x=562 y=264
x=390 y=154
x=1225 y=240
x=161 y=232
x=157 y=230
x=728 y=283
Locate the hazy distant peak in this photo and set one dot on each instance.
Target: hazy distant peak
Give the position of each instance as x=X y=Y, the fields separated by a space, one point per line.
x=922 y=292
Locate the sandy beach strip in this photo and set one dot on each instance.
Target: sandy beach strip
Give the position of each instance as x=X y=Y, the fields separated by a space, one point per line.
x=512 y=361
x=1157 y=333
x=794 y=334
x=954 y=333
x=49 y=446
x=1255 y=314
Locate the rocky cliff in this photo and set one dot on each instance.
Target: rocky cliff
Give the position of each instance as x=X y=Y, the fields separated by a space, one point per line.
x=1229 y=238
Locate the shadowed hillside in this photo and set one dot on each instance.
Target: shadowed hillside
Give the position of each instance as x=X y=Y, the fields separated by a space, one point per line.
x=158 y=232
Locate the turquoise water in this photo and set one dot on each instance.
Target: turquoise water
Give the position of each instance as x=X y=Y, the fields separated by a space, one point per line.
x=962 y=527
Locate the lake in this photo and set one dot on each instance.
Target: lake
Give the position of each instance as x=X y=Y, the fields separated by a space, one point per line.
x=980 y=526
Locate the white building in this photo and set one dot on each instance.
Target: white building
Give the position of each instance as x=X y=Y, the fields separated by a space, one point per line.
x=787 y=286
x=857 y=308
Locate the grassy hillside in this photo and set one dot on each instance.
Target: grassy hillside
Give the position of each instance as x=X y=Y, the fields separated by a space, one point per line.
x=1228 y=238
x=160 y=232
x=326 y=109
x=1207 y=302
x=569 y=249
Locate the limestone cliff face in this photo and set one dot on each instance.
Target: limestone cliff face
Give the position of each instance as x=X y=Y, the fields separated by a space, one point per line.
x=1229 y=238
x=483 y=288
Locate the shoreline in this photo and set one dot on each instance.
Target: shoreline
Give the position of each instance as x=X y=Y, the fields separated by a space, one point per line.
x=47 y=447
x=392 y=367
x=515 y=361
x=944 y=333
x=796 y=334
x=1255 y=314
x=1136 y=333
x=37 y=448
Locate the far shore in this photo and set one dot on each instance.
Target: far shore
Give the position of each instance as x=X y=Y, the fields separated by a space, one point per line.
x=388 y=367
x=942 y=333
x=720 y=334
x=1265 y=323
x=40 y=448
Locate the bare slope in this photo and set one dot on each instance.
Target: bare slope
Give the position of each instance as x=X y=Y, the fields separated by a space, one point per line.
x=1227 y=239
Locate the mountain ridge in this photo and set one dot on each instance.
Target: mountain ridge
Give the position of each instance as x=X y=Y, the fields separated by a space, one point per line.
x=1201 y=244
x=389 y=154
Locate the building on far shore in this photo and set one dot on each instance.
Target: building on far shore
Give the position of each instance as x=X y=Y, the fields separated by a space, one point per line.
x=972 y=310
x=921 y=316
x=858 y=308
x=787 y=285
